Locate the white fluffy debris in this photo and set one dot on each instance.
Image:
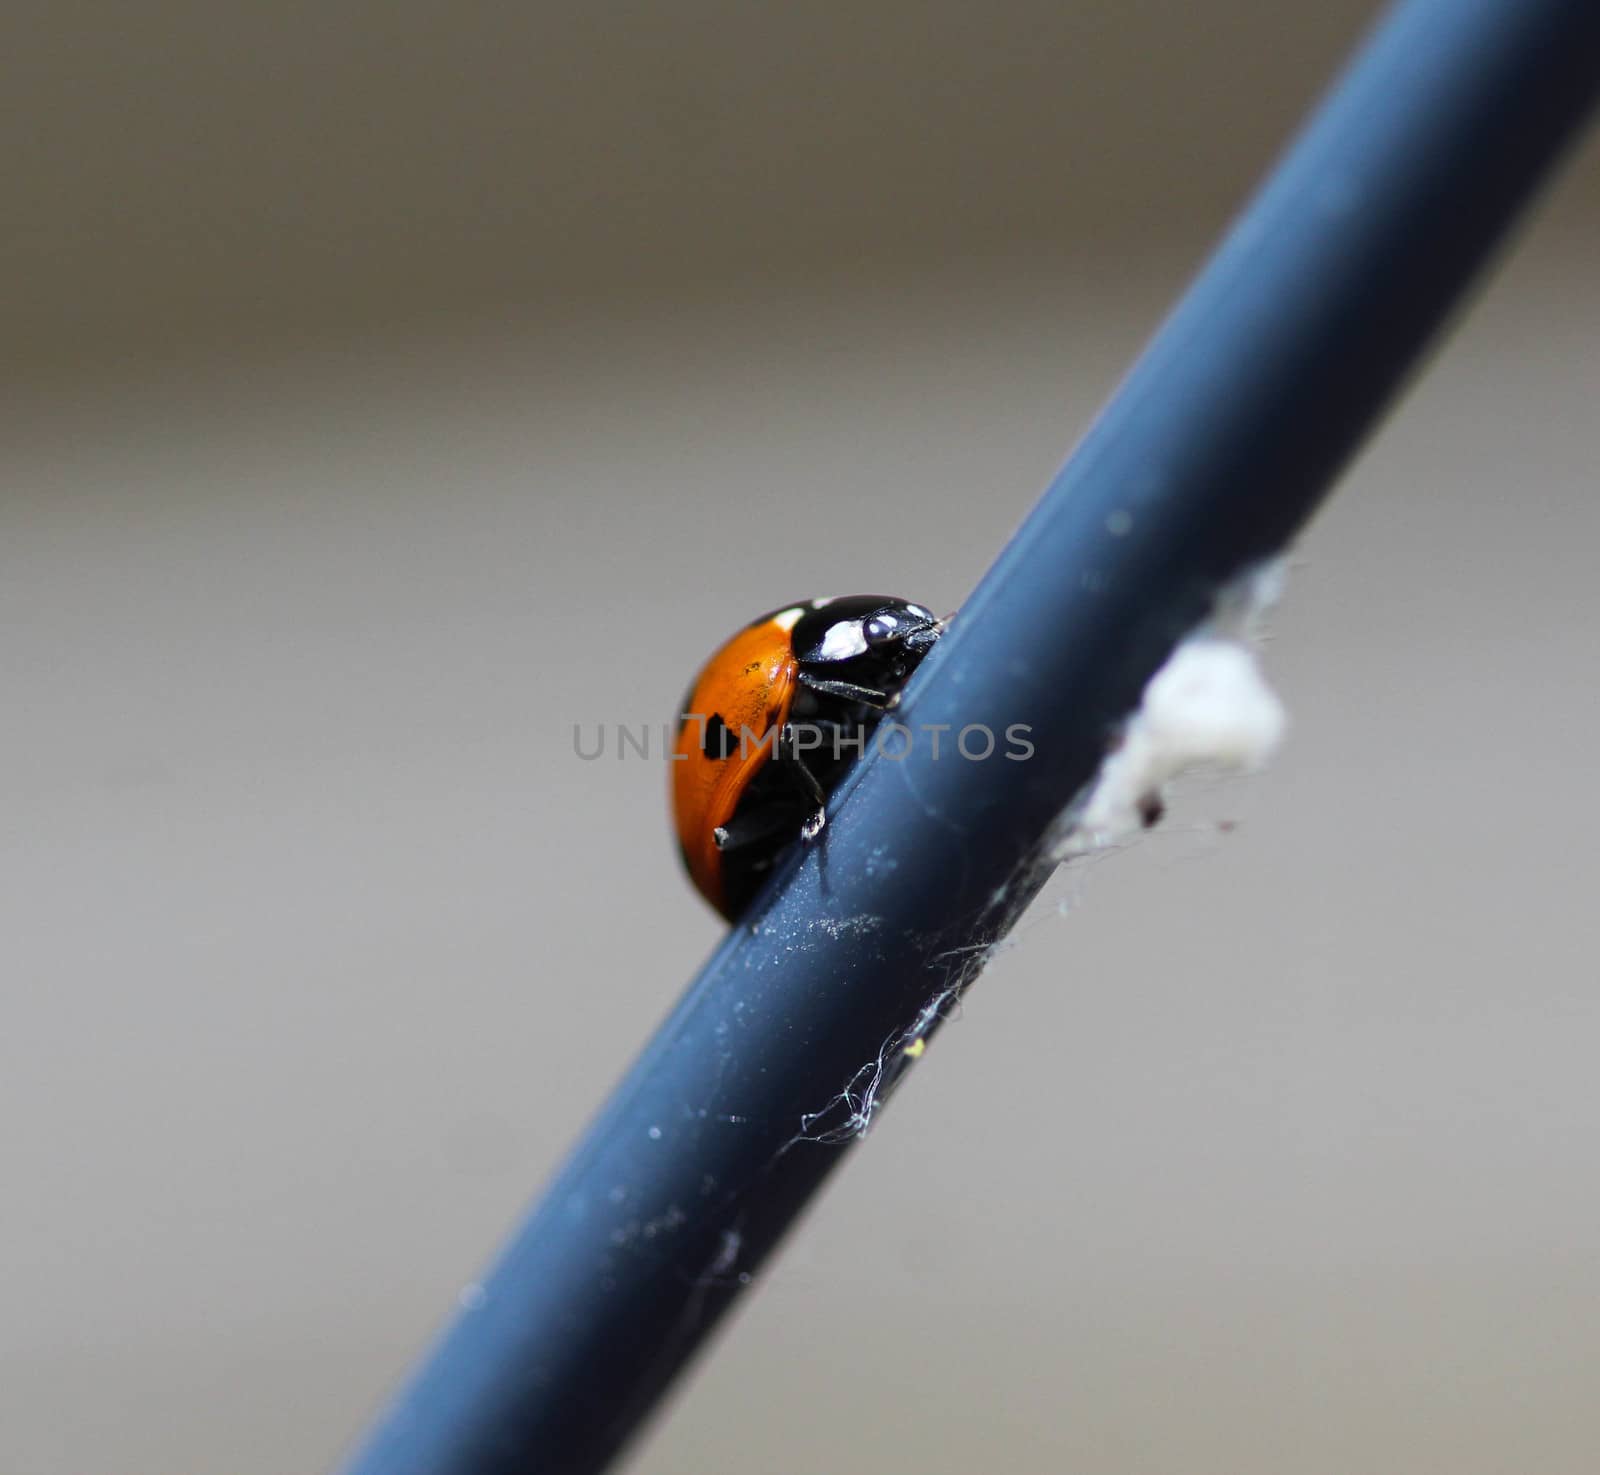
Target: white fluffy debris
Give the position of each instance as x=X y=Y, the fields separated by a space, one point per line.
x=1209 y=706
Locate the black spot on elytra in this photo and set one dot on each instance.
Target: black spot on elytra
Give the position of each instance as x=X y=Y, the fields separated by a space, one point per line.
x=718 y=741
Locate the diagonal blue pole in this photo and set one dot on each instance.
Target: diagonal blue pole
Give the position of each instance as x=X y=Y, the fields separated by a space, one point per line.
x=1212 y=453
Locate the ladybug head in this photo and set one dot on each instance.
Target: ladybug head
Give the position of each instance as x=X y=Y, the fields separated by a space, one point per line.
x=909 y=627
x=869 y=640
x=863 y=625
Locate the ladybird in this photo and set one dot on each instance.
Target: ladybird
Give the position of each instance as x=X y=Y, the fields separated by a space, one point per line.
x=771 y=724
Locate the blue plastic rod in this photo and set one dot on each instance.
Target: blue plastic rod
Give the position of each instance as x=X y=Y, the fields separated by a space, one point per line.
x=1213 y=452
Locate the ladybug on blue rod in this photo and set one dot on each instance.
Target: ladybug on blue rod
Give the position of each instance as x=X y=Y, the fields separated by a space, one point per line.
x=772 y=723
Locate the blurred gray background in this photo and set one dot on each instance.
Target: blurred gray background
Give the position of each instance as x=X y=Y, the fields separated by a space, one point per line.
x=391 y=387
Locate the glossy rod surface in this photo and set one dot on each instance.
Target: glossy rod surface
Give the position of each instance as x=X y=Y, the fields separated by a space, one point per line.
x=1210 y=455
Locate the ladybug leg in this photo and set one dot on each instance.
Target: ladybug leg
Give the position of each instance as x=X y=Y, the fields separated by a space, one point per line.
x=788 y=750
x=848 y=691
x=753 y=826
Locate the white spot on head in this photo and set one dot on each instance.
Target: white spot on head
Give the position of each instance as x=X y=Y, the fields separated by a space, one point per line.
x=472 y=1296
x=787 y=619
x=844 y=640
x=655 y=1134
